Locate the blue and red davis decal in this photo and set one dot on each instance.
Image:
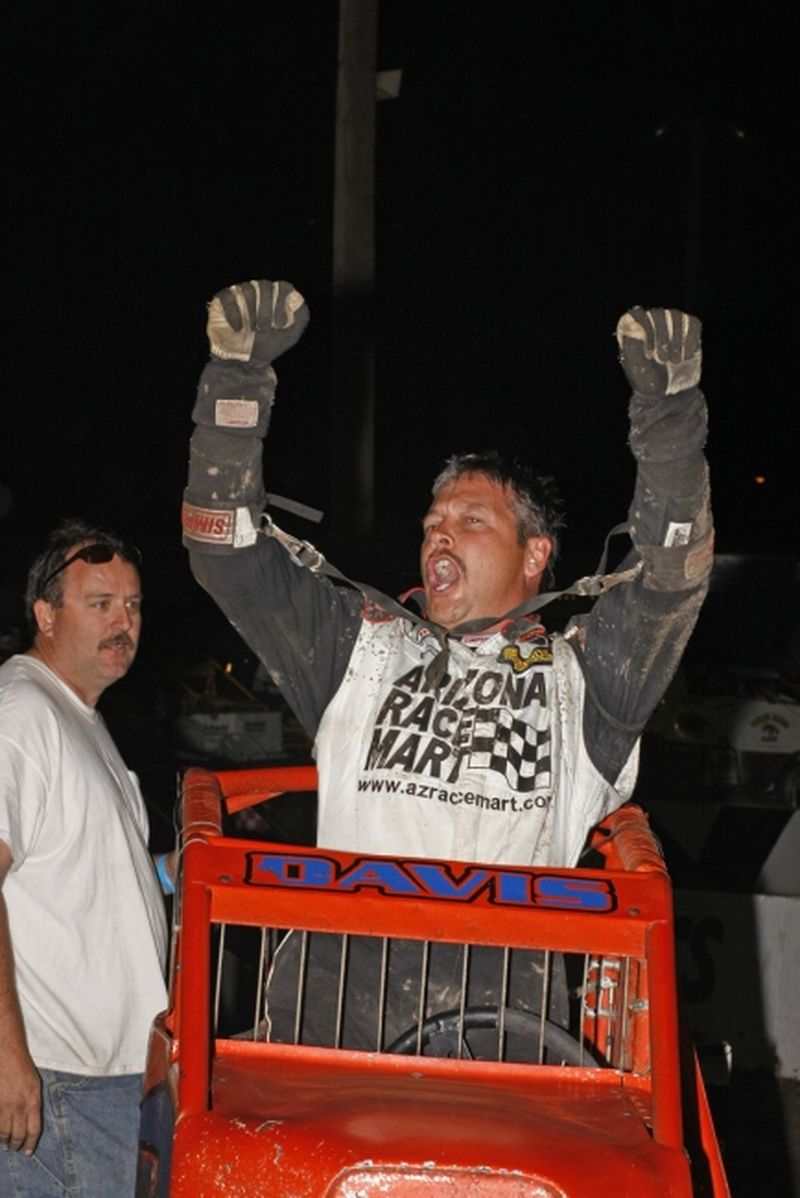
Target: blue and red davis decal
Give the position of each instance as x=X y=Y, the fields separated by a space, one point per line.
x=430 y=880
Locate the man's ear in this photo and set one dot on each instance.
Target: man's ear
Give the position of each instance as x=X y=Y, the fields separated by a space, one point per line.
x=44 y=614
x=537 y=555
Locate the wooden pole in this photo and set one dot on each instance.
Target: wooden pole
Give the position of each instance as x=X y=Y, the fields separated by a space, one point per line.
x=353 y=332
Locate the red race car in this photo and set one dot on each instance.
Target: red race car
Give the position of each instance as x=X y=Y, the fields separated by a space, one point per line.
x=349 y=1027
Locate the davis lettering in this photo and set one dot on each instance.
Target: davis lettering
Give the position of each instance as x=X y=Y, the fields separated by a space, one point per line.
x=430 y=880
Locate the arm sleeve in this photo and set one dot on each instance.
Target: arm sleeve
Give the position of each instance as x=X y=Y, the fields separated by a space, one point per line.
x=302 y=625
x=634 y=637
x=21 y=775
x=224 y=495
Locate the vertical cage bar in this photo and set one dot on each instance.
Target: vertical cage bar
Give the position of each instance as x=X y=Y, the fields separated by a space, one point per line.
x=260 y=995
x=384 y=979
x=423 y=986
x=344 y=946
x=624 y=1063
x=501 y=1022
x=462 y=1006
x=218 y=976
x=585 y=1006
x=300 y=994
x=611 y=991
x=546 y=967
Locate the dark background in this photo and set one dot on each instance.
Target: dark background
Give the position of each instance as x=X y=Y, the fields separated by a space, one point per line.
x=545 y=167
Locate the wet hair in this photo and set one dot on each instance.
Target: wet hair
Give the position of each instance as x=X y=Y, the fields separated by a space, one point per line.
x=534 y=499
x=69 y=536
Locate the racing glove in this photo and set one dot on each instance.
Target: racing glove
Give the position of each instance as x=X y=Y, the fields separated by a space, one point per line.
x=249 y=325
x=660 y=350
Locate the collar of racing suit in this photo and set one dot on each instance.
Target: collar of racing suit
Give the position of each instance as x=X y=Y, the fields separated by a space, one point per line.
x=303 y=553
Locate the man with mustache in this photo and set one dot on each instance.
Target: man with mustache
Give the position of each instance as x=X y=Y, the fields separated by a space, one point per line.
x=83 y=934
x=466 y=733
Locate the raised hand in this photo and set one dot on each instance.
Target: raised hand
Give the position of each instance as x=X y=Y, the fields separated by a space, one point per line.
x=256 y=321
x=660 y=350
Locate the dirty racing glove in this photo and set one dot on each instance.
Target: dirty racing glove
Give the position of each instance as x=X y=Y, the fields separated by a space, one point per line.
x=660 y=350
x=249 y=325
x=255 y=321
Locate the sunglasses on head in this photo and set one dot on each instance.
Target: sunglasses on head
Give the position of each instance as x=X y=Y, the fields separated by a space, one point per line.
x=95 y=555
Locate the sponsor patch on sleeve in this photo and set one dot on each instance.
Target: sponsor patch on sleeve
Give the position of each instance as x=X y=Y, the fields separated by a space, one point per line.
x=236 y=413
x=209 y=525
x=677 y=534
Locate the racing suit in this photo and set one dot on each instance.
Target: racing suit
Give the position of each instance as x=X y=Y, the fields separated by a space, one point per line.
x=527 y=739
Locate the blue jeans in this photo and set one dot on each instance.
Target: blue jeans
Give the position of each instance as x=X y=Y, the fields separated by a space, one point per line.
x=89 y=1142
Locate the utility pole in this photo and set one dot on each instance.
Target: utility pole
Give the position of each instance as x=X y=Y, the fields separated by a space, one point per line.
x=353 y=325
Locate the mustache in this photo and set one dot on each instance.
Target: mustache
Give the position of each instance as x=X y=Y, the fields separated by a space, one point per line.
x=120 y=640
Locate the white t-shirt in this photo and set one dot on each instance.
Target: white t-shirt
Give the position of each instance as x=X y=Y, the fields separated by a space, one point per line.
x=86 y=913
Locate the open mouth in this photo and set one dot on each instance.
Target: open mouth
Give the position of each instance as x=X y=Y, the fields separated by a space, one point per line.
x=441 y=572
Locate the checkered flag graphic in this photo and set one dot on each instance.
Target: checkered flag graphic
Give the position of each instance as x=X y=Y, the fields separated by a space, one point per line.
x=513 y=748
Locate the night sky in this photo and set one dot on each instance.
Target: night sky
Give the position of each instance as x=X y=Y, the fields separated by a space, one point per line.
x=545 y=167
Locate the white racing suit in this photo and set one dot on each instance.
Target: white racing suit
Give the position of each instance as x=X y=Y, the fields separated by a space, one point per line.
x=489 y=766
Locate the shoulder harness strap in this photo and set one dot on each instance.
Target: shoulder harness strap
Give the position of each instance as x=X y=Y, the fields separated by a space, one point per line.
x=304 y=554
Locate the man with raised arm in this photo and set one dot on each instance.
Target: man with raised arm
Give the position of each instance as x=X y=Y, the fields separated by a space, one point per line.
x=468 y=732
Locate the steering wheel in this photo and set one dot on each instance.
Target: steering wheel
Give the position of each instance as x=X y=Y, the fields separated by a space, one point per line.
x=559 y=1046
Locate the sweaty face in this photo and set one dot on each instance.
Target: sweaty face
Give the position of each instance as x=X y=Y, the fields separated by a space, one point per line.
x=91 y=640
x=472 y=563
